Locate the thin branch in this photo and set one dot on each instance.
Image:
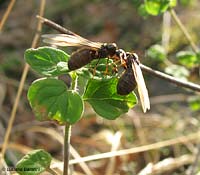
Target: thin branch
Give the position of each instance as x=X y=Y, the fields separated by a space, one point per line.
x=147 y=69
x=5 y=16
x=22 y=81
x=184 y=30
x=171 y=79
x=55 y=26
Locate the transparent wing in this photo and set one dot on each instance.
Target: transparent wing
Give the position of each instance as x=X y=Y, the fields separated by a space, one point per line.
x=69 y=40
x=142 y=90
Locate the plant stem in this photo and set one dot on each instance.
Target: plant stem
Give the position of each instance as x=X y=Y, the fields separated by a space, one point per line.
x=184 y=30
x=66 y=148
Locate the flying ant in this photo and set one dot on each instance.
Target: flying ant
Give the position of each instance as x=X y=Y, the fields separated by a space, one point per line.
x=95 y=50
x=89 y=51
x=131 y=78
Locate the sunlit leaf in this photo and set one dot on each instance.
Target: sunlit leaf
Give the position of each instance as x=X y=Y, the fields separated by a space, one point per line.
x=103 y=97
x=47 y=61
x=172 y=3
x=51 y=100
x=156 y=7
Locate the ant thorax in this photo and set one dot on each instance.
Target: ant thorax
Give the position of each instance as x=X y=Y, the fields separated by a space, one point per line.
x=107 y=50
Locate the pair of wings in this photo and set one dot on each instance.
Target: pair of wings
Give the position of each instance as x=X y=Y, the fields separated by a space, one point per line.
x=72 y=39
x=142 y=90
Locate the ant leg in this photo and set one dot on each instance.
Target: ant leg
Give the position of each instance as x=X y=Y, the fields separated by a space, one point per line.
x=94 y=69
x=107 y=64
x=115 y=69
x=121 y=55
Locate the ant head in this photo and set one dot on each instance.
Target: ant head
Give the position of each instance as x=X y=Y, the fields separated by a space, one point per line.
x=111 y=48
x=121 y=54
x=133 y=56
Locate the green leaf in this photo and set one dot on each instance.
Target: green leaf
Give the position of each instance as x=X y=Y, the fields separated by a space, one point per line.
x=156 y=52
x=142 y=11
x=50 y=100
x=172 y=3
x=187 y=58
x=194 y=103
x=156 y=7
x=47 y=61
x=103 y=97
x=34 y=163
x=177 y=71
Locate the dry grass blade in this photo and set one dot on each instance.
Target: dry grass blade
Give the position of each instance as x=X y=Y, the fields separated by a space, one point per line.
x=193 y=168
x=19 y=92
x=183 y=139
x=167 y=165
x=5 y=16
x=18 y=147
x=140 y=132
x=115 y=145
x=184 y=30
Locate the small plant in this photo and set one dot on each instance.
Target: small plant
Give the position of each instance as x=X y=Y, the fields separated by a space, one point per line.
x=52 y=100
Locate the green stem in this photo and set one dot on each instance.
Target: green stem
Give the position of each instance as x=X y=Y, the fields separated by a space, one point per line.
x=66 y=148
x=184 y=30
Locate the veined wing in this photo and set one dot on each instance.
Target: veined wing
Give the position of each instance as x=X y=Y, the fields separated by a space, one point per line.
x=142 y=90
x=69 y=40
